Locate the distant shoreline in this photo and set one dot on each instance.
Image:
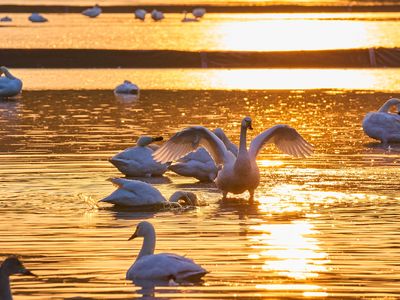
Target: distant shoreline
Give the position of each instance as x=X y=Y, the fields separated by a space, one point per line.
x=209 y=8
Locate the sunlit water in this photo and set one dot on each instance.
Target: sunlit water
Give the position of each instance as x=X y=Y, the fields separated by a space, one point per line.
x=241 y=32
x=322 y=226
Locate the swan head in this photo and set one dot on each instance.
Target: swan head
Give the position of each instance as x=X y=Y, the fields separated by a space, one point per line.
x=143 y=141
x=188 y=198
x=143 y=229
x=3 y=69
x=12 y=265
x=246 y=123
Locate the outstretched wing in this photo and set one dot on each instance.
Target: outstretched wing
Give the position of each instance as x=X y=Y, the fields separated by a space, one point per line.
x=188 y=140
x=228 y=144
x=286 y=138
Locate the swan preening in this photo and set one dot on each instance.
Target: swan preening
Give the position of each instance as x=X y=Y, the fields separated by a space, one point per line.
x=137 y=161
x=157 y=15
x=9 y=85
x=37 y=18
x=162 y=266
x=92 y=12
x=383 y=125
x=186 y=19
x=127 y=88
x=135 y=193
x=237 y=174
x=140 y=14
x=10 y=266
x=199 y=164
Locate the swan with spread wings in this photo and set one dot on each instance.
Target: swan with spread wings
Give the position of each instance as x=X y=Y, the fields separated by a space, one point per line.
x=237 y=174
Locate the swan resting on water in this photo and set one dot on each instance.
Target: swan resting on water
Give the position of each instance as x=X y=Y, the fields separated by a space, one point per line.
x=135 y=193
x=157 y=15
x=92 y=12
x=10 y=266
x=241 y=173
x=383 y=125
x=199 y=12
x=37 y=18
x=128 y=88
x=140 y=14
x=9 y=85
x=162 y=266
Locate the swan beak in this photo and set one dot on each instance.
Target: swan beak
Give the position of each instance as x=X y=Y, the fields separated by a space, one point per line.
x=27 y=272
x=134 y=235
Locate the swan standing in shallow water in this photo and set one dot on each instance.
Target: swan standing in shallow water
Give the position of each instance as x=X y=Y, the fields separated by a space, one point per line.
x=9 y=85
x=92 y=12
x=383 y=125
x=157 y=15
x=137 y=161
x=135 y=193
x=238 y=174
x=9 y=267
x=162 y=266
x=127 y=88
x=199 y=164
x=37 y=18
x=140 y=14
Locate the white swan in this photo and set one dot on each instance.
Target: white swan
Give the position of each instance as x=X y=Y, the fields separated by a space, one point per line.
x=9 y=85
x=127 y=87
x=240 y=173
x=137 y=161
x=383 y=125
x=199 y=164
x=37 y=18
x=92 y=12
x=186 y=19
x=140 y=14
x=135 y=193
x=162 y=266
x=199 y=12
x=10 y=266
x=6 y=19
x=157 y=15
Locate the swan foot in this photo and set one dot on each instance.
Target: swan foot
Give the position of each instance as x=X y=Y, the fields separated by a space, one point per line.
x=251 y=198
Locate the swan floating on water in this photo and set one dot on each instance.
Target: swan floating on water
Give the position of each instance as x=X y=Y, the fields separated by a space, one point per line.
x=137 y=161
x=199 y=164
x=240 y=173
x=92 y=12
x=128 y=88
x=9 y=85
x=140 y=14
x=186 y=19
x=383 y=125
x=6 y=19
x=135 y=193
x=162 y=266
x=199 y=12
x=157 y=15
x=37 y=18
x=10 y=266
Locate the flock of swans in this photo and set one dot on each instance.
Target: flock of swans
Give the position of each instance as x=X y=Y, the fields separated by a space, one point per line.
x=197 y=152
x=140 y=14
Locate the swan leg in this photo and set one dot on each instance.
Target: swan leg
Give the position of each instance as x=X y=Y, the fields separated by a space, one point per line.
x=224 y=194
x=251 y=198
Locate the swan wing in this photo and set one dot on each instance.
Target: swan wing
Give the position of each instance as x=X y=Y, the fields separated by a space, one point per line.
x=228 y=144
x=286 y=138
x=190 y=139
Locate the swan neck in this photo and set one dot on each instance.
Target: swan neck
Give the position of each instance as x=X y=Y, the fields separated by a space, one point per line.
x=242 y=142
x=149 y=244
x=5 y=290
x=8 y=74
x=385 y=107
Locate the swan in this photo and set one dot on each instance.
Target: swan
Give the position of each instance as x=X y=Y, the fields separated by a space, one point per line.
x=127 y=87
x=199 y=12
x=92 y=12
x=240 y=173
x=157 y=15
x=37 y=18
x=137 y=161
x=383 y=125
x=162 y=266
x=140 y=14
x=10 y=266
x=199 y=164
x=186 y=19
x=9 y=85
x=6 y=19
x=135 y=193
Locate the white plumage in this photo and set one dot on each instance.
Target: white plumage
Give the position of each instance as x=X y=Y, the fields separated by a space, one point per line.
x=9 y=85
x=128 y=88
x=6 y=19
x=157 y=15
x=92 y=12
x=137 y=161
x=383 y=125
x=199 y=12
x=162 y=266
x=140 y=14
x=240 y=173
x=37 y=18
